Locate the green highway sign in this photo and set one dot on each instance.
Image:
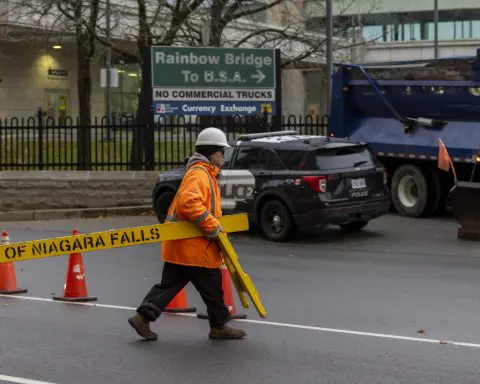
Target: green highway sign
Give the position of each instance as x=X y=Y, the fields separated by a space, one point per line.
x=180 y=67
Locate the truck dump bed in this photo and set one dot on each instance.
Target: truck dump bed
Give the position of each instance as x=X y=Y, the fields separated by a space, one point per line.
x=402 y=111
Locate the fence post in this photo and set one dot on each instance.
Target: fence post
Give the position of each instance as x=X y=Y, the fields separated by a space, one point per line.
x=40 y=138
x=325 y=125
x=149 y=141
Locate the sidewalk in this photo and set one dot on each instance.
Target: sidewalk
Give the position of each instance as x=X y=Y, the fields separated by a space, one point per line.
x=51 y=214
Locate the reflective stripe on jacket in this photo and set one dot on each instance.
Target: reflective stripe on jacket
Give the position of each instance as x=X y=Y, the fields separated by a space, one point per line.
x=197 y=200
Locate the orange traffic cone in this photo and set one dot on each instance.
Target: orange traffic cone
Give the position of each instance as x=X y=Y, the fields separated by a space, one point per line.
x=227 y=296
x=179 y=304
x=75 y=288
x=8 y=277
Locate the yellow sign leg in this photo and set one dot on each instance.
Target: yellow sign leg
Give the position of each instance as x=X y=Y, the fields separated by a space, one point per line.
x=236 y=282
x=244 y=280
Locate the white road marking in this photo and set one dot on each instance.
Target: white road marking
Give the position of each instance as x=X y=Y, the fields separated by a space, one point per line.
x=272 y=323
x=20 y=380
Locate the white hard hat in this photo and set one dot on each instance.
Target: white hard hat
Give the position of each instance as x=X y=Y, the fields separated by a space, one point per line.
x=212 y=136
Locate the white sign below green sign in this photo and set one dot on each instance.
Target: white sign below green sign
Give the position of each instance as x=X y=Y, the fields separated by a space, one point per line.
x=194 y=94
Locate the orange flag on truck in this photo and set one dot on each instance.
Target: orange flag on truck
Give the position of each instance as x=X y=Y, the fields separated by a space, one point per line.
x=444 y=161
x=443 y=157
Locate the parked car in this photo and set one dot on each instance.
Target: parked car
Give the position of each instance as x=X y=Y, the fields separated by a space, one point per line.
x=287 y=181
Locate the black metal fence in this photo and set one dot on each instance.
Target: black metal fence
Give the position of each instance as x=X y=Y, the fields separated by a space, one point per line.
x=64 y=144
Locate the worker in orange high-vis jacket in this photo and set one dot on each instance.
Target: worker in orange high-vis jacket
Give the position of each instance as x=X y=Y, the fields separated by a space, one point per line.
x=197 y=259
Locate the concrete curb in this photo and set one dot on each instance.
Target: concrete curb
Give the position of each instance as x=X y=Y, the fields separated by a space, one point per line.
x=75 y=213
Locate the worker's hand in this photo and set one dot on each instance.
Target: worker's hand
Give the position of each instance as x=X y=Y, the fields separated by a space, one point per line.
x=214 y=235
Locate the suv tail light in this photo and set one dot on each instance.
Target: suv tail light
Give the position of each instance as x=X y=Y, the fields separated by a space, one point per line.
x=317 y=183
x=385 y=177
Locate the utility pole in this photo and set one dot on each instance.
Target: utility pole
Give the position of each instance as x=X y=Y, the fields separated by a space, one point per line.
x=329 y=25
x=435 y=27
x=206 y=28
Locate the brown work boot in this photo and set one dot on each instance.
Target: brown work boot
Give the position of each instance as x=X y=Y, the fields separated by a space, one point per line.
x=226 y=332
x=142 y=326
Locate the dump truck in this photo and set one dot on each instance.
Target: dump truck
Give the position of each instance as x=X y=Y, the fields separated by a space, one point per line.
x=401 y=110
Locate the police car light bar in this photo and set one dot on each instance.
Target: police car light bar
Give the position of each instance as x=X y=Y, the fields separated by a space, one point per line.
x=261 y=135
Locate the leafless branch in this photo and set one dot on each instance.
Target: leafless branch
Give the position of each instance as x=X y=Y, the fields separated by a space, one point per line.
x=189 y=34
x=232 y=14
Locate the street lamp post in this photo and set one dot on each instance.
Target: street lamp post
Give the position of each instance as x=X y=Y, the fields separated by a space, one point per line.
x=108 y=62
x=329 y=25
x=435 y=27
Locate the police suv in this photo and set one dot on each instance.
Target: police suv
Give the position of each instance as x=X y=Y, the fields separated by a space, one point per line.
x=286 y=181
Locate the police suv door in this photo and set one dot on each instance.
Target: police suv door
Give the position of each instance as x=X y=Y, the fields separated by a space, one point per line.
x=247 y=173
x=236 y=185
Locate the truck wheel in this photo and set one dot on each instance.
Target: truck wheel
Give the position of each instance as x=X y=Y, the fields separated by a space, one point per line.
x=354 y=225
x=276 y=222
x=162 y=204
x=410 y=191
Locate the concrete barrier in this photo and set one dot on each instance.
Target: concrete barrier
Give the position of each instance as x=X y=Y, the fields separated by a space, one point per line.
x=43 y=195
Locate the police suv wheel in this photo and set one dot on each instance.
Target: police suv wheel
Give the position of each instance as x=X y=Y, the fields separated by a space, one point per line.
x=162 y=204
x=276 y=221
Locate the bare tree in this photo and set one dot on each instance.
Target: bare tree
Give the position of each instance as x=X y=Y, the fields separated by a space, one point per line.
x=224 y=12
x=157 y=22
x=285 y=25
x=75 y=18
x=23 y=20
x=83 y=17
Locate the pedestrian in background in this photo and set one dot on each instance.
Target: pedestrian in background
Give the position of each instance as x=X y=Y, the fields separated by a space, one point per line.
x=195 y=260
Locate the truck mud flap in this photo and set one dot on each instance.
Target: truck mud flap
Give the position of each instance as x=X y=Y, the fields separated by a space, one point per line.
x=465 y=198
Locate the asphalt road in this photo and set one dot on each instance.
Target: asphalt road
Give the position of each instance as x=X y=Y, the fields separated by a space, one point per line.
x=341 y=309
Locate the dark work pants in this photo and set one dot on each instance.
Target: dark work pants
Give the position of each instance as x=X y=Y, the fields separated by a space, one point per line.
x=207 y=281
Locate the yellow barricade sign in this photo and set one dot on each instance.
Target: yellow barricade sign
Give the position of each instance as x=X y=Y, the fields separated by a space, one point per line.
x=237 y=283
x=242 y=282
x=115 y=238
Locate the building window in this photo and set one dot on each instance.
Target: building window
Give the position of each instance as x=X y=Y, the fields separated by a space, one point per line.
x=447 y=30
x=125 y=96
x=392 y=27
x=475 y=29
x=412 y=32
x=373 y=33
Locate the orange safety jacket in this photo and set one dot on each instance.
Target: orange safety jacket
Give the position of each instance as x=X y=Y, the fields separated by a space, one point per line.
x=198 y=201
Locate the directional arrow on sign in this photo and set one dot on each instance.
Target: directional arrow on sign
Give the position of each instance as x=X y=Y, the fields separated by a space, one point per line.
x=259 y=76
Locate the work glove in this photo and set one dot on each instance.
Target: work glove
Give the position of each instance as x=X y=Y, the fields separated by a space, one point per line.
x=214 y=235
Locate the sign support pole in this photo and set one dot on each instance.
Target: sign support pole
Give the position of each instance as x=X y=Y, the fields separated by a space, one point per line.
x=149 y=133
x=108 y=62
x=329 y=23
x=278 y=90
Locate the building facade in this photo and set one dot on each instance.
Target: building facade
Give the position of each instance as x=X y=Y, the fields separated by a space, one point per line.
x=405 y=30
x=39 y=70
